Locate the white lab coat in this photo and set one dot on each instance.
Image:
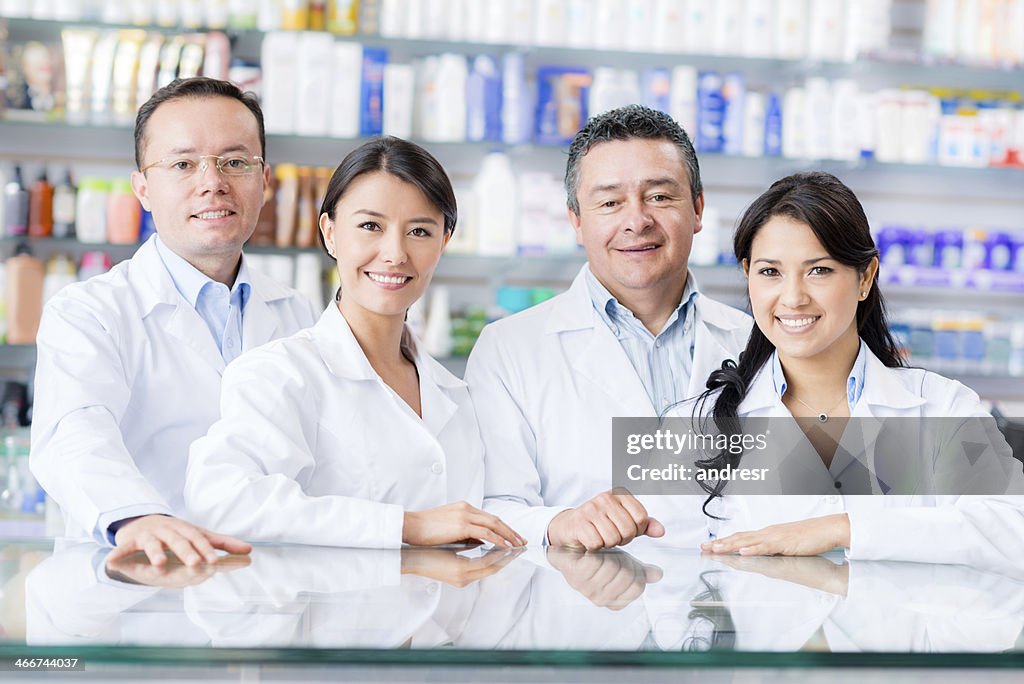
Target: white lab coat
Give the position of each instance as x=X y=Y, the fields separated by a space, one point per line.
x=127 y=376
x=313 y=448
x=983 y=531
x=546 y=384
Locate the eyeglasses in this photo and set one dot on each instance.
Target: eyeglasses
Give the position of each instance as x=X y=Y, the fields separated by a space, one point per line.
x=186 y=167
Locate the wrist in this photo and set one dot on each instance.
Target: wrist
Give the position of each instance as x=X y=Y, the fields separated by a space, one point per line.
x=556 y=529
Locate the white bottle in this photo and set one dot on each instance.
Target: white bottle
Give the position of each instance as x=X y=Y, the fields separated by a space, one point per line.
x=753 y=124
x=729 y=15
x=437 y=337
x=60 y=271
x=452 y=73
x=549 y=25
x=345 y=89
x=579 y=23
x=309 y=279
x=845 y=96
x=793 y=132
x=91 y=210
x=611 y=89
x=609 y=18
x=498 y=209
x=279 y=57
x=516 y=102
x=683 y=99
x=825 y=30
x=791 y=29
x=668 y=26
x=639 y=15
x=705 y=249
x=399 y=88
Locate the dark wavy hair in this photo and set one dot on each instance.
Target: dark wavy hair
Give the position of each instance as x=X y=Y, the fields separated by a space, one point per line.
x=835 y=215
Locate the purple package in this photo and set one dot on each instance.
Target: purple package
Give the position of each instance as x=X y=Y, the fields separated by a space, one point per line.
x=920 y=247
x=999 y=251
x=1017 y=253
x=892 y=245
x=949 y=247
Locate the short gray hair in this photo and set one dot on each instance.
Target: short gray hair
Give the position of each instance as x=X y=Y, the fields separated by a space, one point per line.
x=627 y=123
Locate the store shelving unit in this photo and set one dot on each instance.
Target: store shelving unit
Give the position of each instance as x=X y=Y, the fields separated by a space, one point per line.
x=912 y=194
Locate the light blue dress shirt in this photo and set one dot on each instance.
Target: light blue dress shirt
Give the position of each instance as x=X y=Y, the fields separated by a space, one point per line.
x=221 y=309
x=854 y=383
x=663 y=362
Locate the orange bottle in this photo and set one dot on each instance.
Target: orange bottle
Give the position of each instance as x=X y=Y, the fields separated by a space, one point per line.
x=40 y=207
x=123 y=213
x=24 y=295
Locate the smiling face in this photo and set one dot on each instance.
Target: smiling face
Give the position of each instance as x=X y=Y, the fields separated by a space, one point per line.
x=387 y=237
x=803 y=300
x=205 y=217
x=637 y=219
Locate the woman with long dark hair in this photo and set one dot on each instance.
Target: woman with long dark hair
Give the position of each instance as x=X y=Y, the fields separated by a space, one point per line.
x=821 y=352
x=348 y=433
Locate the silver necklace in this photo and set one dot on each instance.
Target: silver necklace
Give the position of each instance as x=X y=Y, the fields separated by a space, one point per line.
x=822 y=415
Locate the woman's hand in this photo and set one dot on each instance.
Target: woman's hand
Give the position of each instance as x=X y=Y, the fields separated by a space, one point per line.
x=803 y=538
x=445 y=565
x=457 y=522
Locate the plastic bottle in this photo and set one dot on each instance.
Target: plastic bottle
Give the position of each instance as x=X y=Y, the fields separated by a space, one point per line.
x=437 y=338
x=91 y=210
x=266 y=223
x=147 y=227
x=309 y=279
x=15 y=205
x=93 y=264
x=123 y=213
x=498 y=213
x=40 y=207
x=24 y=296
x=305 y=230
x=60 y=271
x=287 y=204
x=64 y=208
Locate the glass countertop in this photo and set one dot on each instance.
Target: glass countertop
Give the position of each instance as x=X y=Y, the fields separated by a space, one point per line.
x=640 y=606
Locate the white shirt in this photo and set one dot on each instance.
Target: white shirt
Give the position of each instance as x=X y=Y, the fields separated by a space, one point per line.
x=982 y=530
x=546 y=384
x=127 y=376
x=312 y=446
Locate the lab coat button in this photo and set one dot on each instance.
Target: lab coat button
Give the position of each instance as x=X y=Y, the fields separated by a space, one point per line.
x=437 y=468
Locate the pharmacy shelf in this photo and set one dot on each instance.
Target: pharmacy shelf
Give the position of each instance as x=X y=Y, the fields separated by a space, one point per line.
x=900 y=65
x=557 y=271
x=57 y=143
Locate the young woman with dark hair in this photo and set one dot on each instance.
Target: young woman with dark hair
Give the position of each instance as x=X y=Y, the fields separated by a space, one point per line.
x=347 y=433
x=821 y=352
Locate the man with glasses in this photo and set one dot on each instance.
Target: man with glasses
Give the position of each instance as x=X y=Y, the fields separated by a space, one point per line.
x=130 y=362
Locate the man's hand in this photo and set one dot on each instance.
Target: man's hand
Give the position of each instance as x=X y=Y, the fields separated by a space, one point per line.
x=137 y=569
x=609 y=579
x=153 y=534
x=803 y=538
x=446 y=565
x=609 y=519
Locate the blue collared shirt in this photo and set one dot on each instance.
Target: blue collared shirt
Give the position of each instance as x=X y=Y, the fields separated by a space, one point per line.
x=221 y=309
x=663 y=362
x=854 y=383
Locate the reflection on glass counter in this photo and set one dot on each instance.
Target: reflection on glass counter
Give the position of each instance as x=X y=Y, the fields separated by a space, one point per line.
x=458 y=604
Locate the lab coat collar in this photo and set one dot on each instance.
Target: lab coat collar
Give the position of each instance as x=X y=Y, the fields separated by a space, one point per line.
x=884 y=388
x=158 y=297
x=344 y=357
x=573 y=310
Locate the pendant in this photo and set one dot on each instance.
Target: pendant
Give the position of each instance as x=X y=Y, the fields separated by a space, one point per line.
x=822 y=418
